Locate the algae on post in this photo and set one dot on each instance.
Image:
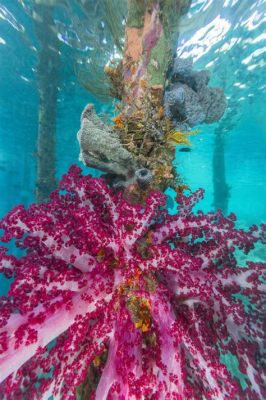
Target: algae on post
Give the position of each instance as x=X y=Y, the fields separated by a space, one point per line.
x=136 y=12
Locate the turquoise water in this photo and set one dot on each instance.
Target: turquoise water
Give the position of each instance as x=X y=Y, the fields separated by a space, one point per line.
x=228 y=37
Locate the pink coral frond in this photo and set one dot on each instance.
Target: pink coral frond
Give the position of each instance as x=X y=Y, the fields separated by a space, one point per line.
x=151 y=301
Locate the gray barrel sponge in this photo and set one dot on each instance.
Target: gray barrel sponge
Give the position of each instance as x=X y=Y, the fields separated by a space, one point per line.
x=183 y=66
x=143 y=177
x=173 y=97
x=188 y=99
x=100 y=146
x=199 y=80
x=213 y=102
x=182 y=100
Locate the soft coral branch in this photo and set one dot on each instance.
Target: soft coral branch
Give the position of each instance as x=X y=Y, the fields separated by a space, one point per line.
x=150 y=299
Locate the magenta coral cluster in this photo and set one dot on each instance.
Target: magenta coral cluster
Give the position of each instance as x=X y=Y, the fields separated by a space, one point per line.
x=153 y=300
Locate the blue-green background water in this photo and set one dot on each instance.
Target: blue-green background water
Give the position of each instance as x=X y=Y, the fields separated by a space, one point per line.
x=226 y=36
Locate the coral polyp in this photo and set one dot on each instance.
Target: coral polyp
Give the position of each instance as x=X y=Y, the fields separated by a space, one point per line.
x=146 y=300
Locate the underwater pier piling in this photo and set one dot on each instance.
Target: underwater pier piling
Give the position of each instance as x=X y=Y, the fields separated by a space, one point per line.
x=150 y=40
x=220 y=187
x=160 y=97
x=48 y=78
x=151 y=33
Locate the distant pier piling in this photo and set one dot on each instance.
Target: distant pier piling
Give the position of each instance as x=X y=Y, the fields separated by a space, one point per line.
x=48 y=78
x=220 y=187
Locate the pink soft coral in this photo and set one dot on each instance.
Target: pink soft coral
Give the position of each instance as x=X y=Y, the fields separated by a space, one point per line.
x=158 y=294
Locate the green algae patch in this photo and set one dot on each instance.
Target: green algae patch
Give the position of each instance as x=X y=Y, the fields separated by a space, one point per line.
x=170 y=15
x=136 y=13
x=159 y=61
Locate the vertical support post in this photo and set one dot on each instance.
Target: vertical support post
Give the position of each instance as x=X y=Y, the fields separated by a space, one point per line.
x=220 y=187
x=48 y=79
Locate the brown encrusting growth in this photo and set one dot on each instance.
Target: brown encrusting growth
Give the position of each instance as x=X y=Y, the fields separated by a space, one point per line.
x=139 y=82
x=144 y=135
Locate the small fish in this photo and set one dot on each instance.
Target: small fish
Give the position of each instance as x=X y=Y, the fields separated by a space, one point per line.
x=185 y=149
